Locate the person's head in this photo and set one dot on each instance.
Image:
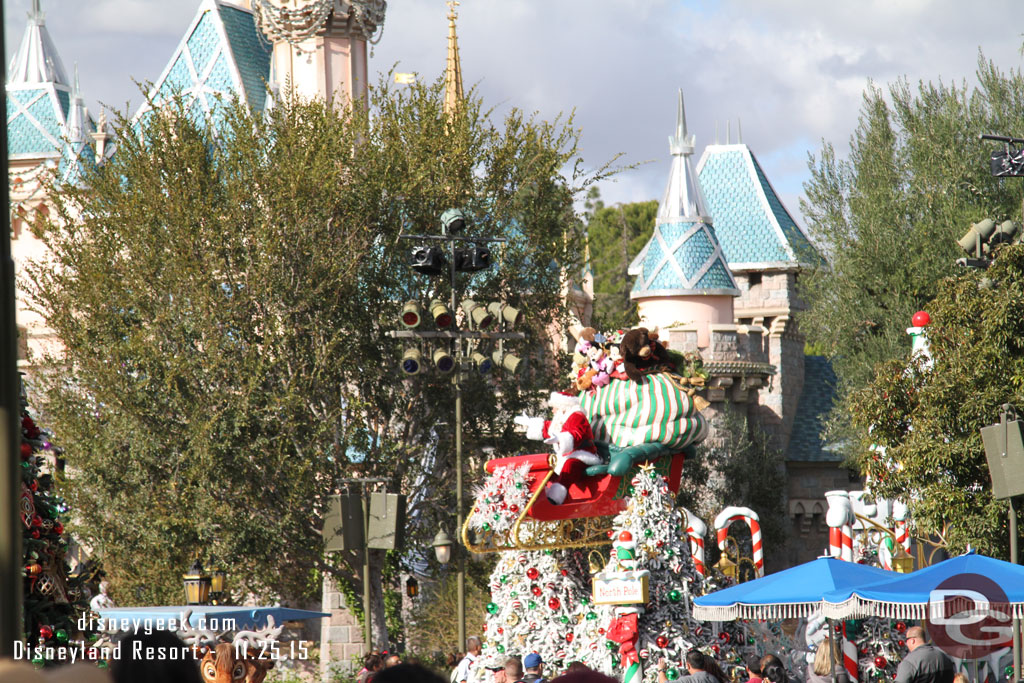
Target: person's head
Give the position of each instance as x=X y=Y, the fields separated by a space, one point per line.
x=451 y=659
x=695 y=661
x=392 y=660
x=513 y=669
x=915 y=637
x=373 y=662
x=577 y=666
x=137 y=663
x=473 y=645
x=772 y=669
x=533 y=663
x=753 y=664
x=584 y=675
x=823 y=662
x=407 y=673
x=961 y=677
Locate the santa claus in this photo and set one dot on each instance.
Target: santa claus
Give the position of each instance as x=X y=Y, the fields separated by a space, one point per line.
x=569 y=433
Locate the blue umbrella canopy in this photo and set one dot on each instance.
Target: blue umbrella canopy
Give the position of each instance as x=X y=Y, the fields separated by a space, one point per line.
x=907 y=596
x=793 y=592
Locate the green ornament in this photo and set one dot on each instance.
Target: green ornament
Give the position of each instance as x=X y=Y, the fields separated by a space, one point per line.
x=670 y=552
x=1008 y=671
x=675 y=595
x=504 y=578
x=62 y=636
x=497 y=517
x=648 y=533
x=487 y=526
x=531 y=604
x=564 y=619
x=751 y=641
x=610 y=644
x=38 y=662
x=631 y=490
x=583 y=601
x=514 y=594
x=591 y=616
x=519 y=485
x=501 y=648
x=492 y=608
x=549 y=552
x=672 y=674
x=615 y=661
x=102 y=664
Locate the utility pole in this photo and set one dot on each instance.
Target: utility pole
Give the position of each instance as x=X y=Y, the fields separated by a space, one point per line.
x=10 y=422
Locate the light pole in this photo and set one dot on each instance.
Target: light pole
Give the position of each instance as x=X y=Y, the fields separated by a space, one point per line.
x=431 y=261
x=10 y=424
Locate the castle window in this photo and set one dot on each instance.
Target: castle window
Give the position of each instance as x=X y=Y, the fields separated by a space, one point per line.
x=754 y=279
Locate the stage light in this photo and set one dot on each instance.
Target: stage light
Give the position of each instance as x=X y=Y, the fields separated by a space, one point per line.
x=443 y=361
x=412 y=361
x=477 y=314
x=411 y=314
x=440 y=313
x=508 y=361
x=504 y=312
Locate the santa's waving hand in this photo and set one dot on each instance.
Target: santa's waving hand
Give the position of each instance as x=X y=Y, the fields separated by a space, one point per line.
x=569 y=433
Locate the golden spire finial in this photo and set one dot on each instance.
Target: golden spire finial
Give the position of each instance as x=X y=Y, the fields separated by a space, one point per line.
x=453 y=70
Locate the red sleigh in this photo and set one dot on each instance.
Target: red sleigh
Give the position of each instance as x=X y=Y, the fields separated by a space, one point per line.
x=583 y=519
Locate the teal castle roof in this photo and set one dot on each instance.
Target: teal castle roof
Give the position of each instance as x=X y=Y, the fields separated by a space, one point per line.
x=38 y=95
x=222 y=54
x=683 y=256
x=754 y=228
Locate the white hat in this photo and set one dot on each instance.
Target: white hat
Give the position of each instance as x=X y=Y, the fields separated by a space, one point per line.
x=563 y=399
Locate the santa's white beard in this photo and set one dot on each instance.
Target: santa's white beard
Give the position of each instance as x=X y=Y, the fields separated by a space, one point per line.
x=558 y=419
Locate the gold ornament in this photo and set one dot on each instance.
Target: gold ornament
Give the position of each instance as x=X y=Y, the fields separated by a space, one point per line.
x=512 y=619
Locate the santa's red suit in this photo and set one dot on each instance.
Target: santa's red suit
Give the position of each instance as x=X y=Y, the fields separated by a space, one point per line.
x=569 y=433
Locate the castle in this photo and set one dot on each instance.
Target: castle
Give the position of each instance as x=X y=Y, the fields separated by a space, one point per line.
x=718 y=276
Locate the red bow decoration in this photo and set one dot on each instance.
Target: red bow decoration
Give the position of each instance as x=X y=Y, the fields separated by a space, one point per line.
x=623 y=630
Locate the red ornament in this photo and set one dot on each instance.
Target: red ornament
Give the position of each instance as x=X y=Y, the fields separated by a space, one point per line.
x=715 y=648
x=34 y=486
x=26 y=451
x=500 y=630
x=568 y=637
x=554 y=603
x=58 y=528
x=865 y=650
x=901 y=643
x=37 y=520
x=532 y=573
x=535 y=590
x=645 y=493
x=565 y=572
x=513 y=508
x=34 y=533
x=45 y=632
x=900 y=626
x=724 y=637
x=662 y=641
x=600 y=631
x=921 y=319
x=880 y=662
x=625 y=537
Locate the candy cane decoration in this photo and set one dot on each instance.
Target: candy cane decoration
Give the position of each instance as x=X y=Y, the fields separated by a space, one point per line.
x=736 y=514
x=840 y=525
x=849 y=656
x=899 y=515
x=696 y=530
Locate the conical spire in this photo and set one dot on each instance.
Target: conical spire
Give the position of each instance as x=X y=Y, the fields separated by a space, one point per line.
x=683 y=199
x=453 y=70
x=37 y=60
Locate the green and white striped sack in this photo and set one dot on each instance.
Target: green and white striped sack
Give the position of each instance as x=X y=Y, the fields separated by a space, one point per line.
x=625 y=413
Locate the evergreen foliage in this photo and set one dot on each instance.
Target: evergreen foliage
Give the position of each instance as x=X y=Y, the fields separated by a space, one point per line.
x=927 y=419
x=616 y=234
x=223 y=299
x=887 y=217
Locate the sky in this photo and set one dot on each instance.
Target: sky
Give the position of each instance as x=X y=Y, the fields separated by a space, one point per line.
x=791 y=73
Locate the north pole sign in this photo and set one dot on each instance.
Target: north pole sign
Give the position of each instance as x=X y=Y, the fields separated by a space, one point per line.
x=621 y=588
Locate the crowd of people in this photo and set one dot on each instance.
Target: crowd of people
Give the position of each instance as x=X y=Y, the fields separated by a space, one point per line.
x=923 y=663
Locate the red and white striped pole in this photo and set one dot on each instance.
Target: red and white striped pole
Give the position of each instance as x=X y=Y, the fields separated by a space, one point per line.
x=735 y=514
x=696 y=530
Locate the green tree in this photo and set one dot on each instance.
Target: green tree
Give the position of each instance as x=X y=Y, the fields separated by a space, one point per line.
x=616 y=234
x=927 y=419
x=887 y=217
x=223 y=299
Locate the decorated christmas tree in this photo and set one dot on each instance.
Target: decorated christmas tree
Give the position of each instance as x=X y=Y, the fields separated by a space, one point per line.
x=53 y=604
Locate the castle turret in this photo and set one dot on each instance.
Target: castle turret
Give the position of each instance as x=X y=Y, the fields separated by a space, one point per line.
x=682 y=276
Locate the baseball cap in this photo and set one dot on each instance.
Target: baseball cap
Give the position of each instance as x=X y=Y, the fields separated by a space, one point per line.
x=531 y=660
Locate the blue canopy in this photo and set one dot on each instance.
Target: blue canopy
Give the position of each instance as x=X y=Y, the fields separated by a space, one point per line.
x=793 y=592
x=907 y=596
x=206 y=617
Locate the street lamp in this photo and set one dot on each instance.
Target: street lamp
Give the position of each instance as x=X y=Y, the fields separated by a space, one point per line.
x=442 y=546
x=412 y=587
x=218 y=584
x=197 y=585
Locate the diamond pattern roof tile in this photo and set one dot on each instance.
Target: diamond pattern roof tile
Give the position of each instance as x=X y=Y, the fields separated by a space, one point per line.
x=752 y=224
x=816 y=400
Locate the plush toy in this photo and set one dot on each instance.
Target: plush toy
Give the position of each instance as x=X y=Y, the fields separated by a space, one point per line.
x=642 y=354
x=600 y=365
x=569 y=433
x=585 y=337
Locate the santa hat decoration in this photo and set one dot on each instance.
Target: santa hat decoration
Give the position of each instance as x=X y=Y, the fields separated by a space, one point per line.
x=563 y=399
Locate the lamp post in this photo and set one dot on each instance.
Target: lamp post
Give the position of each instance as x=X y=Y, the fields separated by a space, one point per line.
x=470 y=257
x=1004 y=451
x=197 y=585
x=10 y=427
x=218 y=584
